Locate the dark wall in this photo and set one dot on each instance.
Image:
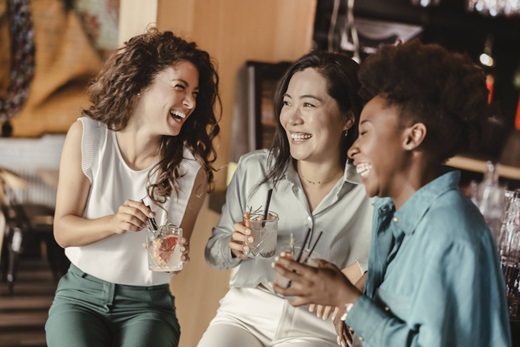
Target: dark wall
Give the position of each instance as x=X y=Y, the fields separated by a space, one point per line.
x=452 y=26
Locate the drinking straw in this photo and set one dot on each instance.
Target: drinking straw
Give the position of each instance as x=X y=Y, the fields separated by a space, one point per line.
x=312 y=248
x=303 y=245
x=301 y=253
x=151 y=220
x=267 y=203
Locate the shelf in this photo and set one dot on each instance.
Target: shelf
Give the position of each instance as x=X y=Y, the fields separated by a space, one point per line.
x=475 y=165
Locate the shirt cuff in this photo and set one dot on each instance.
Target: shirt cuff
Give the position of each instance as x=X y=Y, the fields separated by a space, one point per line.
x=367 y=319
x=226 y=254
x=362 y=266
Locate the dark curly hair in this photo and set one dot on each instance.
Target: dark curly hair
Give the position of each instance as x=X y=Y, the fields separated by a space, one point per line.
x=340 y=72
x=444 y=90
x=133 y=68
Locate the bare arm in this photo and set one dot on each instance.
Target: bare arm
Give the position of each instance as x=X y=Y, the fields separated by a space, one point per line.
x=70 y=228
x=197 y=197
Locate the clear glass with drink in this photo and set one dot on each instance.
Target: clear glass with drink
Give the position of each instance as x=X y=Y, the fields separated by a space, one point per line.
x=292 y=253
x=164 y=249
x=264 y=233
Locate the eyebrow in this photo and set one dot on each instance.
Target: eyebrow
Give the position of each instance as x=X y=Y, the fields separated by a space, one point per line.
x=305 y=96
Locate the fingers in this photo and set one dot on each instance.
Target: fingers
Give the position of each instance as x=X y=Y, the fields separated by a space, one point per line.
x=185 y=250
x=344 y=335
x=131 y=216
x=291 y=269
x=322 y=312
x=336 y=314
x=239 y=239
x=326 y=312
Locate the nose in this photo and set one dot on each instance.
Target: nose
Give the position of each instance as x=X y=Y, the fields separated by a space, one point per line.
x=353 y=150
x=293 y=117
x=189 y=102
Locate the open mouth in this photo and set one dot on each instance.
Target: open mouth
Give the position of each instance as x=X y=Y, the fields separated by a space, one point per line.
x=177 y=115
x=300 y=137
x=363 y=169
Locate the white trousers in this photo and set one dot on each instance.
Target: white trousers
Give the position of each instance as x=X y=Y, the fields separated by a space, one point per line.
x=250 y=317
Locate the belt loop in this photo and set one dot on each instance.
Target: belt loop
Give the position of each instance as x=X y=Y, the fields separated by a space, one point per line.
x=108 y=292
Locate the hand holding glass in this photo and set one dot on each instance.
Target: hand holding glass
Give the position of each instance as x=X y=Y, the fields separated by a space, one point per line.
x=264 y=233
x=291 y=253
x=164 y=248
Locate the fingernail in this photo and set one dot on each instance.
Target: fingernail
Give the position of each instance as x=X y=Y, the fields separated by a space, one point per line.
x=248 y=231
x=276 y=258
x=337 y=340
x=246 y=249
x=283 y=254
x=250 y=239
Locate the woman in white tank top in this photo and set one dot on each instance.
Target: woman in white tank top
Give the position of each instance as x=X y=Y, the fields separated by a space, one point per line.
x=143 y=149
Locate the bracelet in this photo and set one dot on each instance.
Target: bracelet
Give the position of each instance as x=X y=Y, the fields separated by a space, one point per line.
x=348 y=307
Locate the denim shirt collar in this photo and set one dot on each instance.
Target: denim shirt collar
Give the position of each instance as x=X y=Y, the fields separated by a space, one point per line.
x=413 y=210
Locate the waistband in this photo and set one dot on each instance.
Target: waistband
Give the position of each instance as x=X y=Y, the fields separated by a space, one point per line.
x=77 y=271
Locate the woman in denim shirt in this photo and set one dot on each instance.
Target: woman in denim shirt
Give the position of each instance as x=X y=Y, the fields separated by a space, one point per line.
x=434 y=278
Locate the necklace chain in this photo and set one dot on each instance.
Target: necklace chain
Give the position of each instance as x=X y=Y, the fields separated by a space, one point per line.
x=317 y=182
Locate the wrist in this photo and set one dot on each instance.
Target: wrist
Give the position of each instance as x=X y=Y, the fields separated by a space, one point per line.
x=347 y=308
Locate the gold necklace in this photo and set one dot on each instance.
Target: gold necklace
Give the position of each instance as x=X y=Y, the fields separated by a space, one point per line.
x=318 y=182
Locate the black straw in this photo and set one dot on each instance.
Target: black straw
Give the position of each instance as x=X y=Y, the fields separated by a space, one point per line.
x=267 y=203
x=151 y=220
x=303 y=245
x=312 y=248
x=301 y=253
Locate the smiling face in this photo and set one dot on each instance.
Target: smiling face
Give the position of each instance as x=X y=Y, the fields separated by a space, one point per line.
x=171 y=98
x=311 y=118
x=379 y=153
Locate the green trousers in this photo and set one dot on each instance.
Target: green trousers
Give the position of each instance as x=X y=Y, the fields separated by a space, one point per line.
x=90 y=312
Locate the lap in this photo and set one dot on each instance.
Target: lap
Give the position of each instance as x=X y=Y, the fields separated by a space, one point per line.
x=253 y=317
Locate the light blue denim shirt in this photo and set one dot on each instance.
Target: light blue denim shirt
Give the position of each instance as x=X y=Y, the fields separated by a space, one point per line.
x=434 y=275
x=344 y=216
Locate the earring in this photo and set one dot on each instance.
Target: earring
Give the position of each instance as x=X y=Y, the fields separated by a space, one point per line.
x=138 y=94
x=346 y=133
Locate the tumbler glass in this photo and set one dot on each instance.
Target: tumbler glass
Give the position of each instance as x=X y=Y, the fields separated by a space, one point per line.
x=164 y=249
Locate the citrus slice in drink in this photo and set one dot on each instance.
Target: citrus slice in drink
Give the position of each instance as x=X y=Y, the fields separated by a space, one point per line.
x=163 y=248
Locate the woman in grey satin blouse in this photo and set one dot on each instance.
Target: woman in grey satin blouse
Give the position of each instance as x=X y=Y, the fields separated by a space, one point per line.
x=314 y=188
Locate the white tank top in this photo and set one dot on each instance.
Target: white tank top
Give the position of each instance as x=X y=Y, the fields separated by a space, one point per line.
x=122 y=258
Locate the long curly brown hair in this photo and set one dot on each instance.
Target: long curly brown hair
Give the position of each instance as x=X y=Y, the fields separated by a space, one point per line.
x=133 y=68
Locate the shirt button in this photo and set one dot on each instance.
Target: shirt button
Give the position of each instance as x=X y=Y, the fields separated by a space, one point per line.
x=396 y=220
x=360 y=338
x=387 y=308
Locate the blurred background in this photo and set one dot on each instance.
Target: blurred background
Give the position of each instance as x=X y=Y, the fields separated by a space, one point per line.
x=50 y=49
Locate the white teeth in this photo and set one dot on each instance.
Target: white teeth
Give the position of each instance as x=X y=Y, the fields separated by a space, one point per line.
x=363 y=169
x=178 y=114
x=300 y=136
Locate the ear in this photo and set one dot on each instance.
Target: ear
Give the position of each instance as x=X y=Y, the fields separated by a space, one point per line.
x=414 y=136
x=349 y=121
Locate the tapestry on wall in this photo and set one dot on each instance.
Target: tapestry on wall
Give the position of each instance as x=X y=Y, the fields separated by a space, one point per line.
x=49 y=51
